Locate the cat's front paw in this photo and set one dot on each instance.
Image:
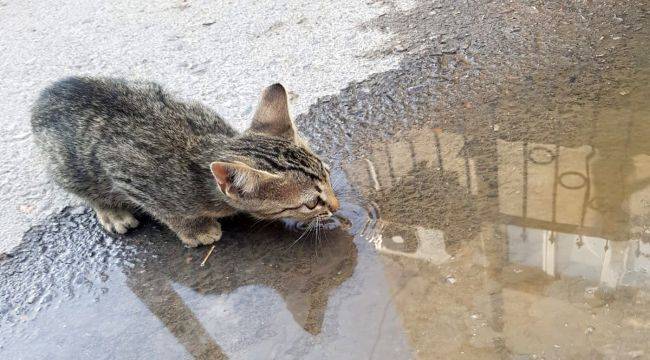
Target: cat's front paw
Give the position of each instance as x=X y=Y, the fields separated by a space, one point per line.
x=116 y=221
x=207 y=236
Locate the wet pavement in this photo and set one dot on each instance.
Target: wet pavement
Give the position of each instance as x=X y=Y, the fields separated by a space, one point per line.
x=495 y=205
x=221 y=54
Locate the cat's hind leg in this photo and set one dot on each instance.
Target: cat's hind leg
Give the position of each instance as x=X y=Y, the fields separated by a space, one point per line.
x=116 y=220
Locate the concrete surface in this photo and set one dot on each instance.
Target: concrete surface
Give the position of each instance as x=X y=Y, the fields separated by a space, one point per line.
x=221 y=53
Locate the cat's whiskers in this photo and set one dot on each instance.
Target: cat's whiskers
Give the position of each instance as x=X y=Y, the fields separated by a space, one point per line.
x=319 y=237
x=309 y=228
x=317 y=233
x=258 y=221
x=268 y=222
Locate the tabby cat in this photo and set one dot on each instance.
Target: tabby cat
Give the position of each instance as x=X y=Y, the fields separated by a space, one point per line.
x=127 y=146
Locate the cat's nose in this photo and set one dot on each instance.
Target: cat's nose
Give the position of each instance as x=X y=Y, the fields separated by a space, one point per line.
x=334 y=205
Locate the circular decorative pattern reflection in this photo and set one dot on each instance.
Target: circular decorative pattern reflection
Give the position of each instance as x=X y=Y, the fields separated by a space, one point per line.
x=566 y=182
x=540 y=155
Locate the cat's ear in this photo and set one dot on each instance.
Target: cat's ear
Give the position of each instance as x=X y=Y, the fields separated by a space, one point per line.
x=236 y=179
x=272 y=115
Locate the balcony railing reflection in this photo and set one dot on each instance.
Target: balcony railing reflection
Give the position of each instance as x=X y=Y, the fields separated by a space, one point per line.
x=575 y=211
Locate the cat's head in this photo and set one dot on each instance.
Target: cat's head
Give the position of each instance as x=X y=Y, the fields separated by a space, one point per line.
x=271 y=172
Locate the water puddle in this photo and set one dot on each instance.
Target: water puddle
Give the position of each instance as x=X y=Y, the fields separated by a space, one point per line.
x=495 y=204
x=537 y=249
x=70 y=288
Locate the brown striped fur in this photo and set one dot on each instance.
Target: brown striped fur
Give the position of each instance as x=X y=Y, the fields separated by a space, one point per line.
x=130 y=146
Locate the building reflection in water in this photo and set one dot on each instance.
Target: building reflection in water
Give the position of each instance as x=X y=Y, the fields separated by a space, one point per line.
x=567 y=211
x=527 y=232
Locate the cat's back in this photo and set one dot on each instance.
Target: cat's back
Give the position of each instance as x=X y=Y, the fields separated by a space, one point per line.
x=87 y=128
x=77 y=97
x=76 y=103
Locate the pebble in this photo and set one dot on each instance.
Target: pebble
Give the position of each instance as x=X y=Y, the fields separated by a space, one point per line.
x=77 y=210
x=26 y=208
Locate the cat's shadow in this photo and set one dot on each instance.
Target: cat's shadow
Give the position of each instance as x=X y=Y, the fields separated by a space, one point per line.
x=71 y=248
x=304 y=271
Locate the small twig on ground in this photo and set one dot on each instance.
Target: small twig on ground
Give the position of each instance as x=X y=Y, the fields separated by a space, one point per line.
x=207 y=256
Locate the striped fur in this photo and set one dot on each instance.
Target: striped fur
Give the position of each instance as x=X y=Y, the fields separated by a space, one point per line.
x=130 y=146
x=279 y=155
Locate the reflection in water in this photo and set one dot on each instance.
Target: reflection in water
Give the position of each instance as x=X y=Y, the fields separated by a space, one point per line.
x=302 y=273
x=529 y=228
x=592 y=195
x=166 y=279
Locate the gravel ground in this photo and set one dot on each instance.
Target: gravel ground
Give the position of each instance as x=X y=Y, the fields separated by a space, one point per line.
x=221 y=54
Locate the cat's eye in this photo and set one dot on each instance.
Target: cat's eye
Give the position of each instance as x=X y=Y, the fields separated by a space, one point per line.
x=312 y=203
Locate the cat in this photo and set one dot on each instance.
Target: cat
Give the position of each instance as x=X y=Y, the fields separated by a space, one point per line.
x=129 y=146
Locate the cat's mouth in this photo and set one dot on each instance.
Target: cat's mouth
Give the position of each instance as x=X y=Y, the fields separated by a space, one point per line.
x=330 y=222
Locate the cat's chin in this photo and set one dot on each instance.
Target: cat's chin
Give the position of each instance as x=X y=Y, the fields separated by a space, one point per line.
x=328 y=223
x=290 y=223
x=295 y=224
x=293 y=220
